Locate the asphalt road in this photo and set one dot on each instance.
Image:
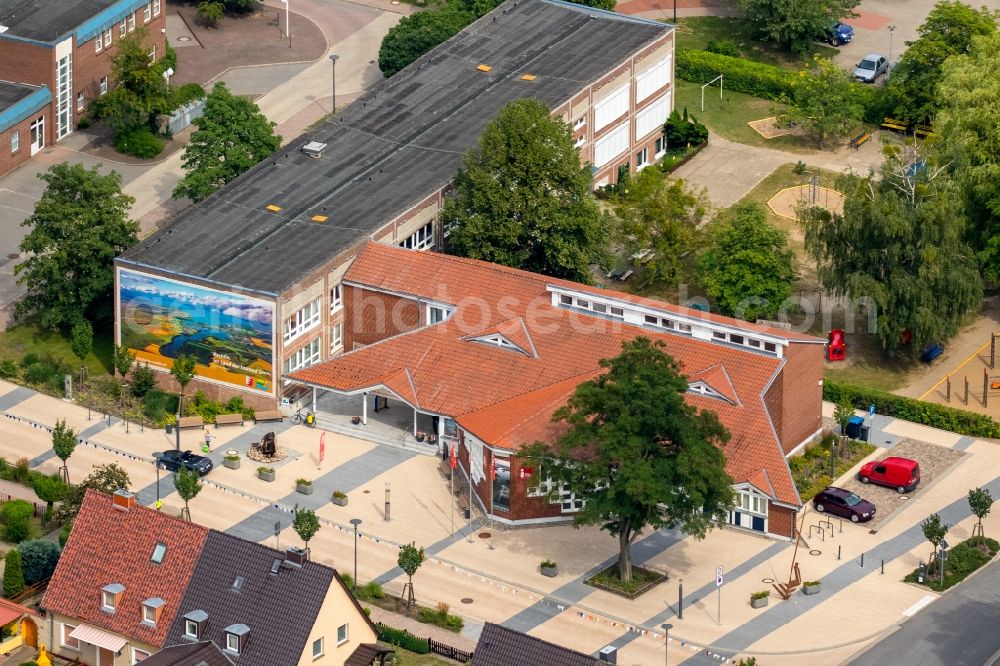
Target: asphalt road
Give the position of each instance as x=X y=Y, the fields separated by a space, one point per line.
x=959 y=629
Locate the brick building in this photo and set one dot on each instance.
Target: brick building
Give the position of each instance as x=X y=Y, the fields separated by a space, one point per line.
x=64 y=47
x=270 y=249
x=24 y=114
x=487 y=353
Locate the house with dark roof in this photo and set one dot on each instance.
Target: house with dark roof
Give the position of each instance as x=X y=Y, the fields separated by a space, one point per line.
x=484 y=354
x=261 y=260
x=132 y=581
x=201 y=653
x=500 y=646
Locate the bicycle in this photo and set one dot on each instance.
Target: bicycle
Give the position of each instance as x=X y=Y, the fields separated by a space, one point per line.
x=305 y=416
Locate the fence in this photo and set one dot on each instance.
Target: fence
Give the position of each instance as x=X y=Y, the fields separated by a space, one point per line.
x=39 y=508
x=448 y=651
x=186 y=115
x=404 y=639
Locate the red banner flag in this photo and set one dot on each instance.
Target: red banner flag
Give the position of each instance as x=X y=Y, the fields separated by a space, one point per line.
x=453 y=456
x=322 y=446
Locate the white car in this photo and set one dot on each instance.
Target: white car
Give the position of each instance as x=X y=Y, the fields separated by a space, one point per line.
x=871 y=67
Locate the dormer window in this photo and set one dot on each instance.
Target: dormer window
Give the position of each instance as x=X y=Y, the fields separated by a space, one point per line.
x=190 y=629
x=194 y=625
x=236 y=637
x=110 y=595
x=151 y=609
x=233 y=643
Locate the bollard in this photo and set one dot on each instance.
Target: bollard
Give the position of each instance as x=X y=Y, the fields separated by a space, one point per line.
x=680 y=599
x=88 y=412
x=862 y=560
x=882 y=567
x=838 y=552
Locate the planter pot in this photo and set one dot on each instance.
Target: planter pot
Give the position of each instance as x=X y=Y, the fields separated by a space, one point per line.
x=810 y=589
x=355 y=420
x=305 y=489
x=758 y=603
x=231 y=464
x=420 y=438
x=266 y=476
x=550 y=572
x=339 y=501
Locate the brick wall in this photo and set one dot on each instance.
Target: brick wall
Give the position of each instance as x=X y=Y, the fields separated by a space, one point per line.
x=781 y=520
x=372 y=316
x=10 y=160
x=213 y=391
x=802 y=394
x=35 y=65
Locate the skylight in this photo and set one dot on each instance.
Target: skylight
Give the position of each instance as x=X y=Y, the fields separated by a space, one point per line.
x=239 y=580
x=159 y=550
x=275 y=566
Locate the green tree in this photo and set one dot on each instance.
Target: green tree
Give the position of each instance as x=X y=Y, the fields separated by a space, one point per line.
x=39 y=558
x=748 y=269
x=17 y=516
x=842 y=414
x=899 y=248
x=64 y=442
x=418 y=33
x=934 y=531
x=105 y=479
x=637 y=453
x=409 y=560
x=183 y=372
x=232 y=136
x=970 y=143
x=980 y=503
x=796 y=23
x=663 y=215
x=949 y=30
x=143 y=380
x=523 y=200
x=824 y=102
x=211 y=12
x=49 y=489
x=137 y=86
x=13 y=574
x=122 y=359
x=77 y=229
x=306 y=524
x=188 y=484
x=81 y=338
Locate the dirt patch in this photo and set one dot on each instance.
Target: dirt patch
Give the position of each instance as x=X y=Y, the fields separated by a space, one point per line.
x=769 y=128
x=785 y=202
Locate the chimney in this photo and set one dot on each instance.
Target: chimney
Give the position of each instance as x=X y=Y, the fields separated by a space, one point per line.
x=296 y=556
x=123 y=500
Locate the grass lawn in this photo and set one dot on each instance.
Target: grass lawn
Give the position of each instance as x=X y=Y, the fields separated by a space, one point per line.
x=696 y=31
x=407 y=658
x=21 y=339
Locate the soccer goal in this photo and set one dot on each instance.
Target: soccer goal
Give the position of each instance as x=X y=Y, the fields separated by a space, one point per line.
x=719 y=79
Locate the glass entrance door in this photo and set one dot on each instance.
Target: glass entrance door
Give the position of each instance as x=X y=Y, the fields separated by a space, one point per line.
x=37 y=135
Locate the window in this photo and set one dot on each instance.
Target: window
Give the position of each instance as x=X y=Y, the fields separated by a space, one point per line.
x=654 y=78
x=302 y=321
x=341 y=634
x=107 y=600
x=613 y=107
x=421 y=239
x=305 y=356
x=123 y=28
x=336 y=338
x=651 y=118
x=159 y=550
x=148 y=614
x=565 y=300
x=501 y=485
x=147 y=12
x=104 y=84
x=659 y=148
x=564 y=497
x=131 y=22
x=67 y=640
x=238 y=583
x=336 y=300
x=642 y=158
x=15 y=141
x=580 y=122
x=579 y=142
x=437 y=314
x=736 y=339
x=152 y=54
x=99 y=42
x=650 y=319
x=107 y=37
x=156 y=7
x=190 y=629
x=718 y=335
x=79 y=101
x=751 y=503
x=233 y=643
x=686 y=328
x=753 y=342
x=611 y=145
x=318 y=648
x=770 y=346
x=138 y=655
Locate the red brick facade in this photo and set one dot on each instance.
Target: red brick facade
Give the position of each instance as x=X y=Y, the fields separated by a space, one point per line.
x=12 y=159
x=799 y=382
x=372 y=316
x=781 y=520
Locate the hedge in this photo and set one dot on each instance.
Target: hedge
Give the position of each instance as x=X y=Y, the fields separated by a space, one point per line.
x=908 y=409
x=403 y=639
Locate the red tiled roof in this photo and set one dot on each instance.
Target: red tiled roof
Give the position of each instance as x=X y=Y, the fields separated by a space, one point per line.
x=507 y=398
x=111 y=546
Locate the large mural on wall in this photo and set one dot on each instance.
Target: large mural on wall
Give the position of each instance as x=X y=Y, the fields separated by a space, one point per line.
x=230 y=335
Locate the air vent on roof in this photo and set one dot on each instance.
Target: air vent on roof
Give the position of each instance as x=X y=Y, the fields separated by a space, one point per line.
x=238 y=583
x=483 y=68
x=528 y=77
x=319 y=218
x=314 y=149
x=273 y=208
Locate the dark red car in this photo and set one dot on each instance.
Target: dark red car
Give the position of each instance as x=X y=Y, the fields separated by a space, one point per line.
x=844 y=503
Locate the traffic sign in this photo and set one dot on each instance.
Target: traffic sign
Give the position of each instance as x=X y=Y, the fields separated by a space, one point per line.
x=871 y=410
x=718 y=576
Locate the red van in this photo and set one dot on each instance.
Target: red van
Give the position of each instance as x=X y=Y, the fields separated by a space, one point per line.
x=902 y=474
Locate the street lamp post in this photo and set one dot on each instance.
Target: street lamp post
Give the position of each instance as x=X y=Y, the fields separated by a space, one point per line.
x=333 y=93
x=666 y=642
x=355 y=522
x=167 y=74
x=288 y=26
x=892 y=29
x=156 y=464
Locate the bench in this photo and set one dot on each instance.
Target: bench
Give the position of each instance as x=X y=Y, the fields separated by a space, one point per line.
x=621 y=274
x=924 y=131
x=858 y=140
x=463 y=502
x=445 y=469
x=272 y=415
x=896 y=125
x=228 y=419
x=190 y=422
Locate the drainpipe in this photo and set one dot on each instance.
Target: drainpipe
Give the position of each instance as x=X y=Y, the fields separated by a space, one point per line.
x=414 y=421
x=313 y=399
x=364 y=408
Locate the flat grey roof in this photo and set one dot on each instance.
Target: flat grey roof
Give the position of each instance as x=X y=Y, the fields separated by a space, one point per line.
x=12 y=93
x=392 y=148
x=46 y=20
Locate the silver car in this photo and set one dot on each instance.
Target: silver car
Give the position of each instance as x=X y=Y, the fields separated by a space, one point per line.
x=871 y=67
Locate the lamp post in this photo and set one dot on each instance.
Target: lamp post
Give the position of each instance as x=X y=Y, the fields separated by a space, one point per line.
x=167 y=74
x=156 y=464
x=333 y=93
x=355 y=522
x=288 y=26
x=675 y=12
x=666 y=642
x=892 y=29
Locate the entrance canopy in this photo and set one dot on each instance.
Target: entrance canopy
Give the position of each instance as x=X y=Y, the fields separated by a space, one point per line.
x=97 y=637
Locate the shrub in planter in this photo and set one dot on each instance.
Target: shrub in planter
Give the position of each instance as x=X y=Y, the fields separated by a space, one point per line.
x=8 y=369
x=139 y=142
x=339 y=498
x=810 y=587
x=304 y=486
x=759 y=599
x=232 y=462
x=265 y=473
x=549 y=568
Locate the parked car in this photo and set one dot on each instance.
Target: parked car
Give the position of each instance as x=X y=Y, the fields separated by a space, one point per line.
x=172 y=460
x=902 y=474
x=871 y=67
x=837 y=34
x=844 y=503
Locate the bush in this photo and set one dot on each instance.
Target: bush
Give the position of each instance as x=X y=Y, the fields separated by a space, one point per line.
x=64 y=534
x=682 y=131
x=909 y=409
x=29 y=359
x=371 y=591
x=38 y=373
x=157 y=405
x=764 y=594
x=726 y=47
x=16 y=516
x=207 y=409
x=403 y=639
x=39 y=558
x=139 y=142
x=745 y=76
x=441 y=617
x=13 y=576
x=963 y=559
x=143 y=381
x=185 y=94
x=8 y=369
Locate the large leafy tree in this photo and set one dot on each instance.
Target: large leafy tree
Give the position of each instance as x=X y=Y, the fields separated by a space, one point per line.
x=899 y=247
x=232 y=136
x=78 y=227
x=137 y=86
x=795 y=23
x=969 y=142
x=637 y=453
x=748 y=269
x=662 y=215
x=824 y=102
x=949 y=30
x=418 y=33
x=105 y=479
x=522 y=198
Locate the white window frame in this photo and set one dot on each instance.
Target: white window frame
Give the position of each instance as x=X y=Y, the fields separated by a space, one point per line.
x=748 y=501
x=566 y=498
x=147 y=12
x=230 y=639
x=104 y=85
x=343 y=629
x=336 y=298
x=152 y=54
x=80 y=101
x=642 y=159
x=304 y=319
x=107 y=37
x=99 y=42
x=337 y=338
x=135 y=655
x=15 y=141
x=107 y=600
x=611 y=108
x=318 y=643
x=188 y=624
x=652 y=118
x=660 y=147
x=123 y=28
x=654 y=78
x=445 y=313
x=65 y=640
x=148 y=614
x=580 y=142
x=131 y=22
x=421 y=239
x=156 y=7
x=303 y=357
x=612 y=145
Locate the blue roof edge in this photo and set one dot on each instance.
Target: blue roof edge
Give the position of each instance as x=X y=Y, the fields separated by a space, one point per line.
x=24 y=107
x=609 y=14
x=105 y=18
